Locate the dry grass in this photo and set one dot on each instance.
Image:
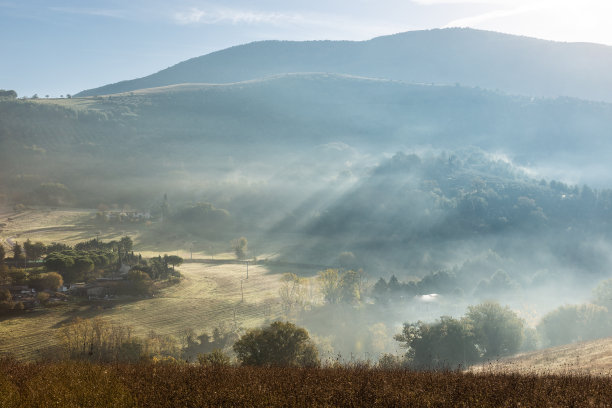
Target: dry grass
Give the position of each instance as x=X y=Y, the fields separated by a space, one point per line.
x=209 y=295
x=73 y=384
x=68 y=226
x=589 y=358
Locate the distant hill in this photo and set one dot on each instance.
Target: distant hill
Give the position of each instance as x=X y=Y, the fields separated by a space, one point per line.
x=513 y=64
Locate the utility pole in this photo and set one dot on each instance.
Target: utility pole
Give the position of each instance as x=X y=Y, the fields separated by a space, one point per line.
x=247 y=269
x=241 y=290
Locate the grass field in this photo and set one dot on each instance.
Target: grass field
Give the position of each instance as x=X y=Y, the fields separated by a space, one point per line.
x=590 y=357
x=209 y=296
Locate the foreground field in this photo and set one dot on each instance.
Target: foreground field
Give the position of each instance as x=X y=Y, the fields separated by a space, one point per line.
x=143 y=385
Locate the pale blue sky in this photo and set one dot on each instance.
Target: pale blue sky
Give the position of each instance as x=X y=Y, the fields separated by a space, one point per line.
x=59 y=47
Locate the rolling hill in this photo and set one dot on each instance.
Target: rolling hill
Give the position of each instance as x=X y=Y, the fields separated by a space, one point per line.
x=276 y=128
x=517 y=65
x=589 y=357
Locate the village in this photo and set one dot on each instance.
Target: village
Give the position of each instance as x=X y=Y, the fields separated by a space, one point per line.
x=89 y=271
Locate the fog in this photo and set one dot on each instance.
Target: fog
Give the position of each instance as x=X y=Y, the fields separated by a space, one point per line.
x=456 y=193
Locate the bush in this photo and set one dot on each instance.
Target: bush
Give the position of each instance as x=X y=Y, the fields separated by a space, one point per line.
x=44 y=281
x=42 y=297
x=280 y=344
x=216 y=358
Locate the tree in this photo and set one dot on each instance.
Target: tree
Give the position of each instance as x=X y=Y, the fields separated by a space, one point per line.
x=446 y=343
x=6 y=301
x=173 y=260
x=339 y=287
x=59 y=262
x=380 y=291
x=18 y=276
x=351 y=286
x=34 y=251
x=240 y=247
x=292 y=292
x=329 y=282
x=82 y=266
x=498 y=331
x=140 y=281
x=44 y=281
x=280 y=344
x=570 y=323
x=2 y=254
x=17 y=252
x=602 y=294
x=126 y=244
x=8 y=94
x=4 y=274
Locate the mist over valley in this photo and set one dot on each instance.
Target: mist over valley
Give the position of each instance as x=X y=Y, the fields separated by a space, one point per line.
x=408 y=178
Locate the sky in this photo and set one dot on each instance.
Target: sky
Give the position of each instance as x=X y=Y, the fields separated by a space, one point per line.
x=62 y=47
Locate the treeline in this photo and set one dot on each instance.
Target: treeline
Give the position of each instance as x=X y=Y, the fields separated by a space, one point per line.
x=412 y=203
x=457 y=194
x=487 y=331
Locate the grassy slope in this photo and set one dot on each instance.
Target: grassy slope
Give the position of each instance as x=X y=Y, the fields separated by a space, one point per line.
x=208 y=297
x=590 y=357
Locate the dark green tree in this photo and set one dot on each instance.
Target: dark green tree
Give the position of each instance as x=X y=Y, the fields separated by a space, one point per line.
x=498 y=331
x=8 y=94
x=173 y=260
x=17 y=252
x=280 y=344
x=34 y=251
x=126 y=244
x=446 y=343
x=59 y=262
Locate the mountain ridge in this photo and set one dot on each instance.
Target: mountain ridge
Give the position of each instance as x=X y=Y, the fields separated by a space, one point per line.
x=513 y=64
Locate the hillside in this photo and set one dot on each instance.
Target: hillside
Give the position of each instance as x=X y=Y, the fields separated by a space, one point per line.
x=306 y=165
x=590 y=357
x=517 y=65
x=273 y=128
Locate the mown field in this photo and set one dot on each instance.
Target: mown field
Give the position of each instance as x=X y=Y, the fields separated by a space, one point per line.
x=209 y=295
x=73 y=384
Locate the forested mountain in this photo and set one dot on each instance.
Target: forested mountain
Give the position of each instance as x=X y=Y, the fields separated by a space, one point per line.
x=517 y=65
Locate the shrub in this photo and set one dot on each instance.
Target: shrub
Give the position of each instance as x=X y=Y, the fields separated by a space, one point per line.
x=280 y=344
x=216 y=358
